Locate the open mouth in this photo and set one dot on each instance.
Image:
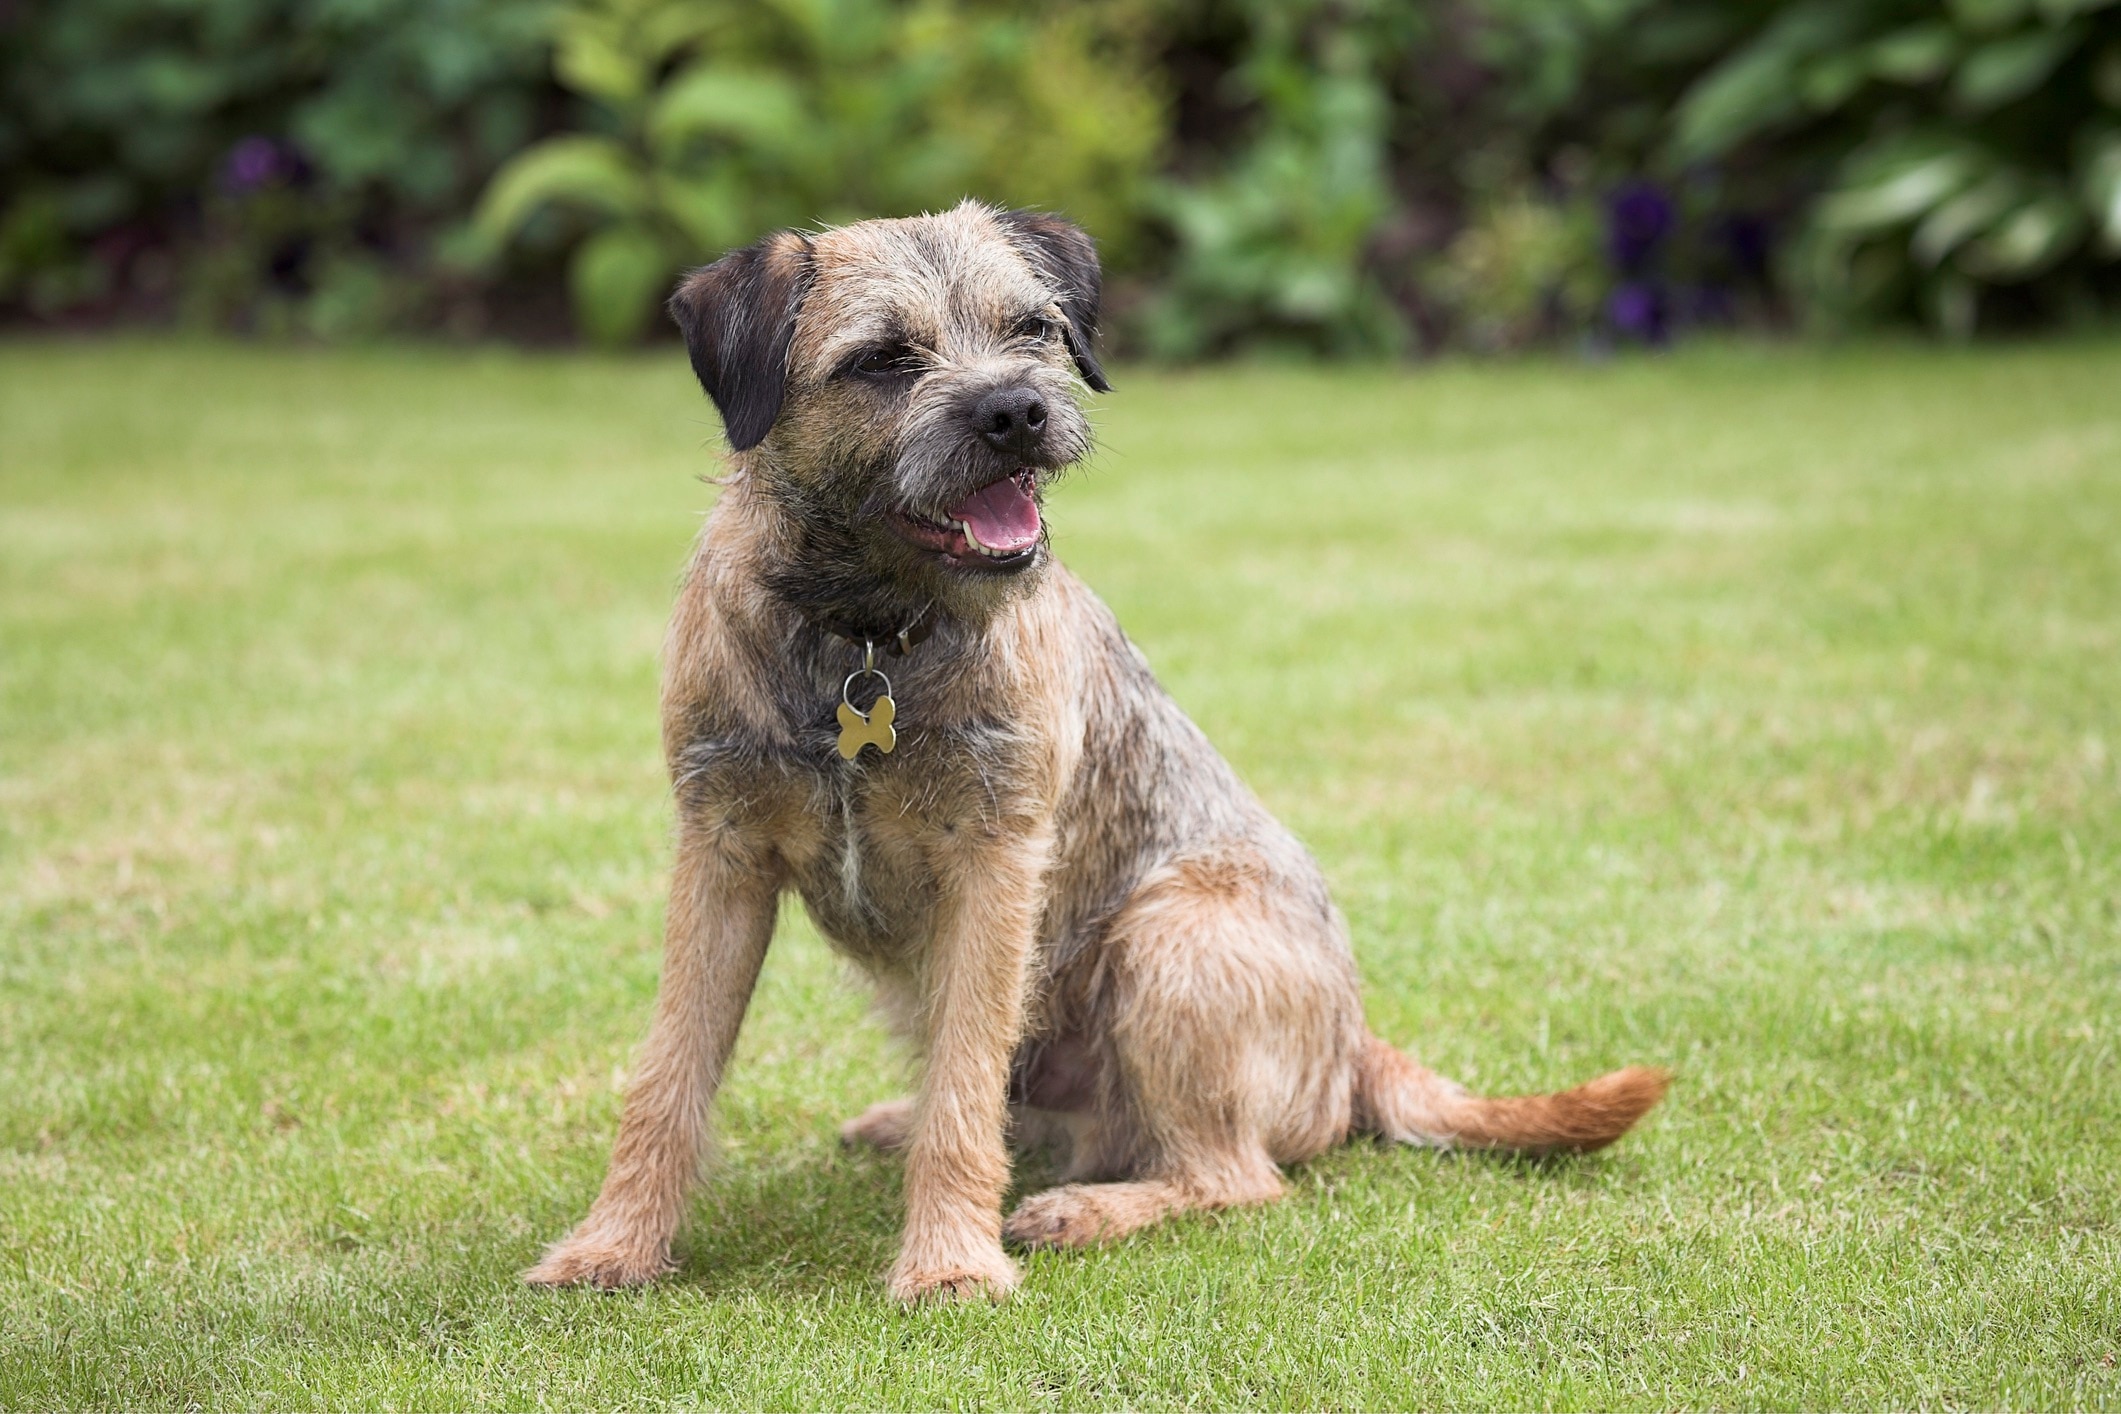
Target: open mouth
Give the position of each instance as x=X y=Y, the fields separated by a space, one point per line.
x=996 y=527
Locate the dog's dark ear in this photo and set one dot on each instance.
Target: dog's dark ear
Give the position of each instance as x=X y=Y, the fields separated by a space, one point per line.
x=1067 y=256
x=738 y=315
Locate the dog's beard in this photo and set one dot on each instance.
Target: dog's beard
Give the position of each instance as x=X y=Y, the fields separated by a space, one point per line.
x=843 y=563
x=827 y=564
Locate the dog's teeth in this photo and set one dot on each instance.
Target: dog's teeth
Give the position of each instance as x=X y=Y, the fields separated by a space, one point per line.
x=964 y=528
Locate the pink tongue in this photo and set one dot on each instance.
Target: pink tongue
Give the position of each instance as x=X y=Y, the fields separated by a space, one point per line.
x=1001 y=517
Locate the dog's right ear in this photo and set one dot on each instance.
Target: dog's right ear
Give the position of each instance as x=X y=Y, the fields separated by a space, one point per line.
x=738 y=315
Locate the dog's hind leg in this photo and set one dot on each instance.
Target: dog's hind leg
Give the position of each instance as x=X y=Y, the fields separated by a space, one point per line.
x=1079 y=1214
x=885 y=1125
x=1231 y=1017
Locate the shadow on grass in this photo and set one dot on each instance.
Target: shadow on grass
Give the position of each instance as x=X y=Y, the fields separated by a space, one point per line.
x=821 y=1218
x=811 y=1219
x=815 y=1217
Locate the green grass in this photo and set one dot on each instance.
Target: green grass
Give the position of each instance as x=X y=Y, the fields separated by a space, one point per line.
x=1752 y=712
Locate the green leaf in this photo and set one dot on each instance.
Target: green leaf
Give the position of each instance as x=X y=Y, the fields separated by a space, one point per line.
x=2008 y=69
x=1735 y=100
x=1959 y=219
x=713 y=211
x=1916 y=54
x=1828 y=82
x=747 y=105
x=1897 y=191
x=1756 y=88
x=586 y=61
x=593 y=172
x=616 y=277
x=2101 y=186
x=2027 y=241
x=1989 y=16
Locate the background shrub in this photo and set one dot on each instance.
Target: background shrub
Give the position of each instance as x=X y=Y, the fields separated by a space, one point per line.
x=264 y=164
x=1322 y=176
x=1970 y=151
x=708 y=122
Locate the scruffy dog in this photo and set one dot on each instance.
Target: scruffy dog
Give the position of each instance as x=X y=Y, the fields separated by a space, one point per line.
x=1079 y=916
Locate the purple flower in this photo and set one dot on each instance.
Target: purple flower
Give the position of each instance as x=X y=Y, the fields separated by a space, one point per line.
x=1638 y=310
x=1638 y=218
x=255 y=162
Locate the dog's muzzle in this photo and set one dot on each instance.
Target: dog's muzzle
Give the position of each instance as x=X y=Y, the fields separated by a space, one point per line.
x=995 y=528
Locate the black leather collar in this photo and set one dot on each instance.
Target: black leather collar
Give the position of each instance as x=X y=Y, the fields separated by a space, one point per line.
x=897 y=642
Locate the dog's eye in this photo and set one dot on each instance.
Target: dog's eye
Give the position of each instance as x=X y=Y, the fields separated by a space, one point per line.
x=888 y=361
x=1034 y=326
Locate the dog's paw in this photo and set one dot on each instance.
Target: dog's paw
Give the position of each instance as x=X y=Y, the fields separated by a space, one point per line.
x=586 y=1257
x=884 y=1126
x=1058 y=1217
x=970 y=1276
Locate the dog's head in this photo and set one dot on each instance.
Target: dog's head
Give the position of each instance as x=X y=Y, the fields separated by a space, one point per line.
x=904 y=391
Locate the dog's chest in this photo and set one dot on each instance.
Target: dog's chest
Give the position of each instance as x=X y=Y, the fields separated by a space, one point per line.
x=868 y=877
x=892 y=826
x=867 y=841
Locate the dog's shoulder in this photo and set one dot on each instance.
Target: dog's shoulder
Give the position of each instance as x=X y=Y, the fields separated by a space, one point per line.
x=709 y=673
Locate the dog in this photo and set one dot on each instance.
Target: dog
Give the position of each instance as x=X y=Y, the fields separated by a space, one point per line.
x=1088 y=928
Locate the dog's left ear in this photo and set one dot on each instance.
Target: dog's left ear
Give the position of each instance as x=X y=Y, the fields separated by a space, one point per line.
x=1067 y=256
x=738 y=316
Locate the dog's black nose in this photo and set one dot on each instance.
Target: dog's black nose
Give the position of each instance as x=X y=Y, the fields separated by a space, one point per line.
x=1011 y=419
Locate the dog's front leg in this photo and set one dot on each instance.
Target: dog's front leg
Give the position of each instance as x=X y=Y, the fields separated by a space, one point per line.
x=722 y=899
x=957 y=1159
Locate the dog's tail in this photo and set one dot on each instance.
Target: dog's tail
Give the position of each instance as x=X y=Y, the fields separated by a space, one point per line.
x=1400 y=1100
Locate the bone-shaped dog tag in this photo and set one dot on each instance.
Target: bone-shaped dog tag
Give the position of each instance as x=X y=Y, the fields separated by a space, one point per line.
x=873 y=728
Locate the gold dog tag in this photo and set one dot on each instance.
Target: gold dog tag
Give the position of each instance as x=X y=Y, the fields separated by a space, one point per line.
x=872 y=728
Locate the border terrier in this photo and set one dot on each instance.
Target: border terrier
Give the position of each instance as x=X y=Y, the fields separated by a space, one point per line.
x=1088 y=928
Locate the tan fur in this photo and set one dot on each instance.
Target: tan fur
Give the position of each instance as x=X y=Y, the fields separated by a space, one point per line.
x=1071 y=906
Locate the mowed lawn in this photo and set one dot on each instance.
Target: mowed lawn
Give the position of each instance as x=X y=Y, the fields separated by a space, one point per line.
x=1753 y=712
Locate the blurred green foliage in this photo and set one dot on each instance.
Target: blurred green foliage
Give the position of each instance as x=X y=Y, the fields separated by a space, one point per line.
x=261 y=163
x=1971 y=150
x=1524 y=269
x=1324 y=176
x=1270 y=246
x=1476 y=173
x=711 y=121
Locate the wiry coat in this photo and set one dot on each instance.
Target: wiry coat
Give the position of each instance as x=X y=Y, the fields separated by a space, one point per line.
x=1066 y=898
